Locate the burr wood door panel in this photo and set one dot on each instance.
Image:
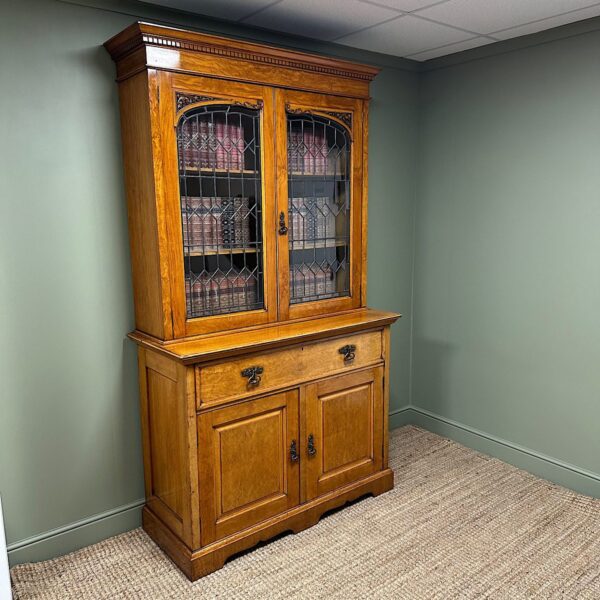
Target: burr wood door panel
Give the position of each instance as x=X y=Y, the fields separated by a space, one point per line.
x=344 y=430
x=248 y=463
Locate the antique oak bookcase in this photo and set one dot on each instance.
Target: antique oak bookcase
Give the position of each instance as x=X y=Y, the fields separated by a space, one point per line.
x=263 y=375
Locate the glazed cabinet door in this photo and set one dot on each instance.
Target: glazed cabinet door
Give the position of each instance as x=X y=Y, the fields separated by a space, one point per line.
x=216 y=145
x=248 y=463
x=343 y=433
x=320 y=189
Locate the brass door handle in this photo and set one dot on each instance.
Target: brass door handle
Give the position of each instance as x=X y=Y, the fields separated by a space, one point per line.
x=349 y=352
x=253 y=374
x=294 y=452
x=311 y=445
x=282 y=226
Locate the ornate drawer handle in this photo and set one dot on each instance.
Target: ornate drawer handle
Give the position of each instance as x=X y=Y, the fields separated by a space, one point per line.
x=311 y=445
x=349 y=352
x=282 y=226
x=253 y=374
x=294 y=452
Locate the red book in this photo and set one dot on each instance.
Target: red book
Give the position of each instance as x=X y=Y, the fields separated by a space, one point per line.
x=240 y=146
x=309 y=156
x=203 y=146
x=212 y=145
x=220 y=147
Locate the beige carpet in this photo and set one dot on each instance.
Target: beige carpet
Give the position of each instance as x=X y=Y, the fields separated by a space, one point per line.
x=457 y=525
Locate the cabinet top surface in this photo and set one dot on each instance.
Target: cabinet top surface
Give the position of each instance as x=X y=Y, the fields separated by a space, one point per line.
x=221 y=345
x=141 y=34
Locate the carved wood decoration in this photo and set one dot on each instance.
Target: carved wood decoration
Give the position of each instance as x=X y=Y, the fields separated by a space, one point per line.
x=182 y=100
x=245 y=386
x=344 y=117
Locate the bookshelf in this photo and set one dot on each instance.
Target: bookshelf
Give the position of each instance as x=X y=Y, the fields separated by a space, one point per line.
x=264 y=376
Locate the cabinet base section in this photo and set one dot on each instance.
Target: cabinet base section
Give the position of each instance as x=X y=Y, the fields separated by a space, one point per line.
x=212 y=557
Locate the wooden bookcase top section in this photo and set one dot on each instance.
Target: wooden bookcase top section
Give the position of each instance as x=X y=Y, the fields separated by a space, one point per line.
x=223 y=345
x=149 y=46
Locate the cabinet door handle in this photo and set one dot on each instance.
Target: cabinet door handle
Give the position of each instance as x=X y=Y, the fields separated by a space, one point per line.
x=282 y=226
x=349 y=352
x=294 y=452
x=311 y=445
x=253 y=374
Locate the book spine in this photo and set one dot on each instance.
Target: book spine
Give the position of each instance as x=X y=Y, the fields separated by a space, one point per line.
x=212 y=145
x=227 y=222
x=238 y=146
x=203 y=146
x=293 y=152
x=309 y=157
x=220 y=151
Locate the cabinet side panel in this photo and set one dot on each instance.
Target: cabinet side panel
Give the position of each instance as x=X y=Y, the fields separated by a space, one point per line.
x=136 y=136
x=164 y=429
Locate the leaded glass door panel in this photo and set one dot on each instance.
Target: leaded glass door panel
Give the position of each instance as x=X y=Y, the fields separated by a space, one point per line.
x=221 y=155
x=319 y=204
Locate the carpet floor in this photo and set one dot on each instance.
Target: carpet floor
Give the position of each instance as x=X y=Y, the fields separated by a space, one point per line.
x=457 y=525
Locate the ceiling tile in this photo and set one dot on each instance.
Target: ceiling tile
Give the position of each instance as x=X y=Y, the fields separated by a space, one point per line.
x=321 y=19
x=406 y=5
x=487 y=17
x=230 y=9
x=403 y=36
x=451 y=48
x=576 y=15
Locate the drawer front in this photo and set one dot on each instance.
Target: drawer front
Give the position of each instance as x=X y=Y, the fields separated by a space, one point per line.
x=222 y=382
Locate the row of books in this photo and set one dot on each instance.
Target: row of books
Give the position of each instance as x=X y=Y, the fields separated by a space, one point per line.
x=306 y=282
x=221 y=293
x=312 y=222
x=211 y=145
x=309 y=153
x=210 y=223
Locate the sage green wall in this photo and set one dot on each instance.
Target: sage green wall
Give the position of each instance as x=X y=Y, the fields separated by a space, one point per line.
x=70 y=460
x=506 y=338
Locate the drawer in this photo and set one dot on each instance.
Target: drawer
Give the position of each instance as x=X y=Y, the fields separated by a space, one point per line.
x=222 y=382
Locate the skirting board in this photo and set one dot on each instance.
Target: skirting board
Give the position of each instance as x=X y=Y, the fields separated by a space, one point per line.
x=79 y=534
x=546 y=467
x=99 y=527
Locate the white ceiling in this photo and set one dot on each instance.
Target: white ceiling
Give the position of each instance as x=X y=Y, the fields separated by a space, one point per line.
x=417 y=29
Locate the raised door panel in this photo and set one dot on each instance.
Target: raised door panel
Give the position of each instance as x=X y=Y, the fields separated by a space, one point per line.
x=218 y=227
x=344 y=430
x=320 y=175
x=246 y=469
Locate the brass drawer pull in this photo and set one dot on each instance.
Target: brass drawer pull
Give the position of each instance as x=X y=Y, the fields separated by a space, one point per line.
x=349 y=352
x=253 y=374
x=311 y=445
x=294 y=452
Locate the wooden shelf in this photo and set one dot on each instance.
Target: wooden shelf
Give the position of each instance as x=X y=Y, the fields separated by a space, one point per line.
x=327 y=176
x=319 y=245
x=209 y=171
x=222 y=252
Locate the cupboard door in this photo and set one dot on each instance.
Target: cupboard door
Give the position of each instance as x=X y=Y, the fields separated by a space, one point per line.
x=248 y=463
x=217 y=140
x=343 y=437
x=320 y=189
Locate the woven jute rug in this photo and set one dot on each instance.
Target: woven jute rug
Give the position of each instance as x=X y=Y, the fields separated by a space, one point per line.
x=457 y=525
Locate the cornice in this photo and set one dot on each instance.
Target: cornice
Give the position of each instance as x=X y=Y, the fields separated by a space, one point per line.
x=147 y=34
